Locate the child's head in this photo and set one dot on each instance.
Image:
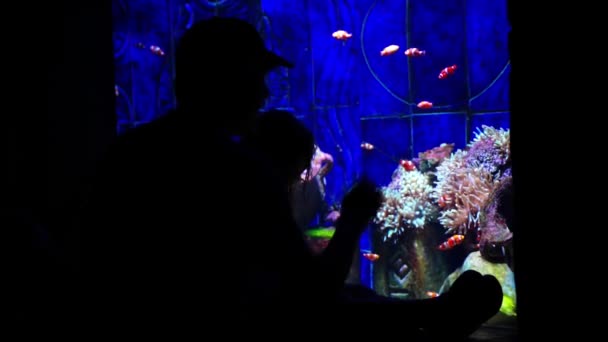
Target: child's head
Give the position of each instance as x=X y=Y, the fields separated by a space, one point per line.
x=286 y=140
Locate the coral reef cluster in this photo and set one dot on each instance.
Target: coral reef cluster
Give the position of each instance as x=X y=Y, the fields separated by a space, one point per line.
x=463 y=194
x=451 y=187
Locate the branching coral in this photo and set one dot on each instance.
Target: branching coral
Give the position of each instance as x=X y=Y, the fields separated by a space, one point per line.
x=407 y=204
x=461 y=192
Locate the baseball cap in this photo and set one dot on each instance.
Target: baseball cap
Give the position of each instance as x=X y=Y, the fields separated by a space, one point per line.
x=226 y=41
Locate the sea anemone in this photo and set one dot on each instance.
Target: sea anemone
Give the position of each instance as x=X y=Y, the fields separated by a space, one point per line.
x=407 y=204
x=443 y=172
x=466 y=179
x=501 y=138
x=490 y=150
x=461 y=192
x=483 y=154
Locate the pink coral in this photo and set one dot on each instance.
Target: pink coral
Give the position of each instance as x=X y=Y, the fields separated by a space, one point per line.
x=437 y=154
x=429 y=159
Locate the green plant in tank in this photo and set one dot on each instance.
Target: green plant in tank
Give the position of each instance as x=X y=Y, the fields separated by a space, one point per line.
x=508 y=306
x=320 y=233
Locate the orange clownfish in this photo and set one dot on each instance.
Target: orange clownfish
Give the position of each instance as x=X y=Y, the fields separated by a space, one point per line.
x=371 y=256
x=425 y=104
x=367 y=146
x=389 y=50
x=341 y=35
x=153 y=48
x=408 y=165
x=444 y=200
x=414 y=52
x=447 y=72
x=450 y=243
x=441 y=202
x=432 y=294
x=157 y=50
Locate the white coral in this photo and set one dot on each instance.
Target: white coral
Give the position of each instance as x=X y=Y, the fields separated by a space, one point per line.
x=407 y=203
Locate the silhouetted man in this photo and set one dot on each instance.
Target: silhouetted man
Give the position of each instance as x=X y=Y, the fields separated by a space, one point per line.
x=182 y=216
x=171 y=220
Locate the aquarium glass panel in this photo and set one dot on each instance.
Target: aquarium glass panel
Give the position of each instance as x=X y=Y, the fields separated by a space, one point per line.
x=413 y=94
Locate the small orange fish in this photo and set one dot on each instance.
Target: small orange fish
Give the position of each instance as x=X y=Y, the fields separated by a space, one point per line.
x=444 y=200
x=425 y=104
x=389 y=50
x=447 y=72
x=341 y=35
x=371 y=256
x=453 y=241
x=432 y=294
x=157 y=50
x=408 y=165
x=367 y=146
x=116 y=92
x=414 y=52
x=153 y=48
x=441 y=202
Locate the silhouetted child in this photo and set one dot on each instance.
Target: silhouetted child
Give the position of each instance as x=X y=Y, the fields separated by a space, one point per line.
x=290 y=145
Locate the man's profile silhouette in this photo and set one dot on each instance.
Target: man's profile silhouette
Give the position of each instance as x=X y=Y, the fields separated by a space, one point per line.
x=170 y=218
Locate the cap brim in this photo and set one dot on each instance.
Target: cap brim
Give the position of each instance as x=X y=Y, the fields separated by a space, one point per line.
x=273 y=61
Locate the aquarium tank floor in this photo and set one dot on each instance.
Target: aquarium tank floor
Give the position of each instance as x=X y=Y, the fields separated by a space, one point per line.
x=500 y=328
x=495 y=333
